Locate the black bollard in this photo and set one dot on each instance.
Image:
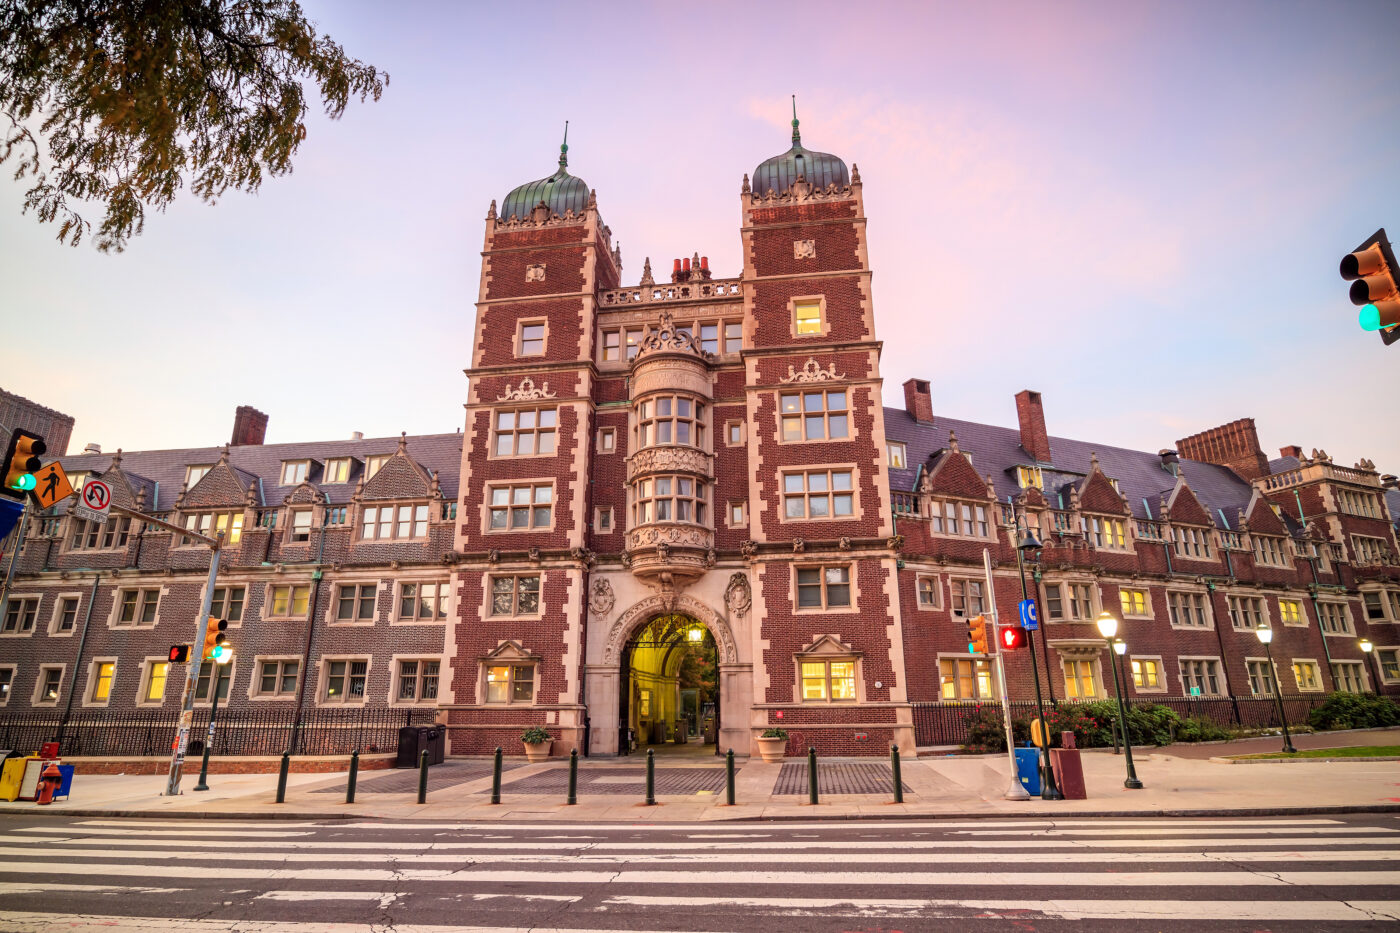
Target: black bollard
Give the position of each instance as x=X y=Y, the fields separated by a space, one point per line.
x=729 y=777
x=496 y=778
x=282 y=777
x=354 y=776
x=651 y=778
x=423 y=776
x=573 y=777
x=894 y=770
x=812 y=775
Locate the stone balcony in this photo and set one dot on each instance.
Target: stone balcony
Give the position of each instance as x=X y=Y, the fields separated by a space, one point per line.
x=670 y=550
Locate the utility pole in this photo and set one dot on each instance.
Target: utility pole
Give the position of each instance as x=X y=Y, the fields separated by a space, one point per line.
x=1016 y=791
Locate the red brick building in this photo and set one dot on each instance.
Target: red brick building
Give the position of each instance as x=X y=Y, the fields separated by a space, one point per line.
x=709 y=461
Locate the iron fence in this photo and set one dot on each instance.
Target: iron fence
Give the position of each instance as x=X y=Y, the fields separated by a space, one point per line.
x=127 y=733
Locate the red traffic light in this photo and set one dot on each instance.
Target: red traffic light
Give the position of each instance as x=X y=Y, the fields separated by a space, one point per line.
x=1013 y=637
x=179 y=654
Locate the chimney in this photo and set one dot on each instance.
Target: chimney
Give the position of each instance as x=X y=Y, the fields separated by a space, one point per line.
x=1170 y=461
x=917 y=401
x=249 y=427
x=1234 y=445
x=1031 y=416
x=1292 y=450
x=357 y=435
x=93 y=449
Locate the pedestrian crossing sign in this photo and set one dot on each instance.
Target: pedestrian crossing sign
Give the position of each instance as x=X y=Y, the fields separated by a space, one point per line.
x=51 y=485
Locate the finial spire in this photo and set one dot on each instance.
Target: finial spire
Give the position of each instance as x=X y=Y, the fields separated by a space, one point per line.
x=796 y=136
x=564 y=148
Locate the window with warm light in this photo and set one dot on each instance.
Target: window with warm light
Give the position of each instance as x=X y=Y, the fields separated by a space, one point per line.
x=1147 y=673
x=510 y=683
x=1290 y=612
x=289 y=601
x=896 y=455
x=1081 y=680
x=156 y=674
x=1306 y=676
x=828 y=680
x=807 y=316
x=966 y=679
x=1135 y=602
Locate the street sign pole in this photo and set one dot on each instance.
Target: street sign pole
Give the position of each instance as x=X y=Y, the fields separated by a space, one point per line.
x=14 y=554
x=1016 y=791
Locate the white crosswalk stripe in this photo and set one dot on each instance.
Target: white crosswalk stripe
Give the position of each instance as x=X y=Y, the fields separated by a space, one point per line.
x=156 y=875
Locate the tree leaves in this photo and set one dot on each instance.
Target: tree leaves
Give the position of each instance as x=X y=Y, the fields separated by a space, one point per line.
x=124 y=102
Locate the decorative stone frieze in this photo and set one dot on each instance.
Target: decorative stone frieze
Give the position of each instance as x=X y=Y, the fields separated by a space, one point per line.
x=525 y=392
x=804 y=249
x=812 y=371
x=670 y=460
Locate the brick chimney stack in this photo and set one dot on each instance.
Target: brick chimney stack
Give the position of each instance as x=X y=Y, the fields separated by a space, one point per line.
x=917 y=401
x=249 y=427
x=1292 y=450
x=1234 y=445
x=1031 y=415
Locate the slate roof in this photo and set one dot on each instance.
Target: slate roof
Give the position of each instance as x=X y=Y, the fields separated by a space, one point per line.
x=162 y=472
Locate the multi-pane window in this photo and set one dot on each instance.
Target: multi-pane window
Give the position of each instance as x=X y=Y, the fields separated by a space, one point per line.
x=1027 y=477
x=337 y=514
x=814 y=416
x=525 y=432
x=91 y=536
x=1375 y=606
x=818 y=494
x=632 y=342
x=1349 y=676
x=966 y=679
x=515 y=595
x=224 y=673
x=531 y=340
x=289 y=600
x=418 y=680
x=1358 y=503
x=137 y=607
x=807 y=317
x=294 y=471
x=278 y=678
x=1305 y=675
x=929 y=593
x=1188 y=610
x=156 y=675
x=1290 y=612
x=709 y=338
x=829 y=680
x=209 y=524
x=1370 y=550
x=896 y=455
x=227 y=603
x=337 y=470
x=823 y=587
x=959 y=518
x=386 y=522
x=50 y=679
x=612 y=346
x=969 y=598
x=1135 y=602
x=1246 y=612
x=102 y=674
x=20 y=615
x=733 y=336
x=1389 y=659
x=1147 y=673
x=345 y=681
x=66 y=619
x=423 y=602
x=510 y=683
x=355 y=602
x=1261 y=678
x=667 y=499
x=1269 y=550
x=1069 y=601
x=1203 y=674
x=374 y=464
x=7 y=680
x=1081 y=680
x=193 y=474
x=300 y=525
x=522 y=507
x=1106 y=532
x=670 y=420
x=1336 y=618
x=1192 y=542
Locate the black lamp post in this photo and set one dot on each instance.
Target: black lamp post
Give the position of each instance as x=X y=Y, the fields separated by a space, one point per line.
x=1366 y=649
x=1108 y=627
x=1048 y=790
x=1266 y=635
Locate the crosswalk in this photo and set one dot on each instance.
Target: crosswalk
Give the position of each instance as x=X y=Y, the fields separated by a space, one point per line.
x=300 y=877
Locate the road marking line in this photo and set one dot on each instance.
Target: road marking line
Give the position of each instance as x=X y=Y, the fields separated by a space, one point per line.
x=23 y=887
x=842 y=826
x=69 y=923
x=201 y=831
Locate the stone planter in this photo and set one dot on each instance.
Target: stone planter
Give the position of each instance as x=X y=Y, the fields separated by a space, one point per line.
x=537 y=751
x=772 y=750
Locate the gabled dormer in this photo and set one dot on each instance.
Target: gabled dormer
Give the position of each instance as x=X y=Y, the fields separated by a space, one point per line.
x=128 y=491
x=1102 y=509
x=398 y=502
x=217 y=502
x=956 y=500
x=1191 y=527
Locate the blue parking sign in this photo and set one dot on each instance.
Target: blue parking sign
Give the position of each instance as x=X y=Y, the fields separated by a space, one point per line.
x=1030 y=619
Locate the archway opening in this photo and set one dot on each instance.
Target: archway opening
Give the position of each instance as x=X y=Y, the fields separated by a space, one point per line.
x=669 y=701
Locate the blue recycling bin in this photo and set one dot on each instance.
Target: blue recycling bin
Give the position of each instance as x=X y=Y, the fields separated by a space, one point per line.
x=1028 y=769
x=65 y=781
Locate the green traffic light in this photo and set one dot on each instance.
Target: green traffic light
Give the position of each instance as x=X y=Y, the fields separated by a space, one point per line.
x=25 y=482
x=222 y=653
x=1369 y=317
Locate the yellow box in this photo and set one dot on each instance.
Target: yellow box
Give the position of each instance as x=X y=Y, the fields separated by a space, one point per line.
x=10 y=777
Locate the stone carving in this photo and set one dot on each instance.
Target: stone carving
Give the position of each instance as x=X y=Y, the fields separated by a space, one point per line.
x=493 y=556
x=844 y=544
x=671 y=536
x=710 y=558
x=667 y=337
x=812 y=371
x=737 y=597
x=601 y=597
x=626 y=559
x=663 y=552
x=804 y=249
x=896 y=543
x=534 y=272
x=643 y=611
x=583 y=555
x=798 y=545
x=803 y=190
x=669 y=460
x=535 y=554
x=526 y=392
x=749 y=549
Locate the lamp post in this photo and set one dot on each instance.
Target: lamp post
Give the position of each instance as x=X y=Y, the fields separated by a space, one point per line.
x=1266 y=635
x=1048 y=790
x=1108 y=627
x=1366 y=649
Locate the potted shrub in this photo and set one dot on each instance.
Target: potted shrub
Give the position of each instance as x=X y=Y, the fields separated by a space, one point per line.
x=772 y=744
x=537 y=743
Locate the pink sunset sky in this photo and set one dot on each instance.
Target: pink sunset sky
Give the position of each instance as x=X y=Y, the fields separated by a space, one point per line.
x=1136 y=209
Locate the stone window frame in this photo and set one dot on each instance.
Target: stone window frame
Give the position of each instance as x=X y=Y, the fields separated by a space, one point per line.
x=255 y=694
x=519 y=344
x=112 y=535
x=1202 y=538
x=1108 y=525
x=1350 y=665
x=920 y=578
x=56 y=616
x=1380 y=664
x=957 y=659
x=648 y=500
x=1317 y=675
x=8 y=682
x=216 y=676
x=1207 y=604
x=599 y=512
x=290 y=530
x=1147 y=612
x=1389 y=599
x=1376 y=548
x=1249 y=675
x=19 y=599
x=829 y=469
x=444 y=585
x=119 y=596
x=394 y=505
x=850 y=566
x=396 y=661
x=1219 y=672
x=964 y=580
x=606 y=442
x=219 y=607
x=551 y=481
x=645 y=420
x=1303 y=620
x=1258 y=543
x=233 y=521
x=1162 y=681
x=91 y=681
x=724 y=325
x=324 y=676
x=743 y=506
x=801 y=414
x=269 y=600
x=890 y=457
x=938 y=517
x=143 y=686
x=824 y=320
x=1262 y=617
x=294 y=480
x=488 y=581
x=1095 y=599
x=41 y=677
x=509 y=654
x=828 y=650
x=358 y=584
x=729 y=426
x=1082 y=655
x=515 y=432
x=1343 y=609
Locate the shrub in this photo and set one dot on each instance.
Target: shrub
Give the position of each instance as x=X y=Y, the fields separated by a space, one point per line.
x=774 y=733
x=986 y=730
x=535 y=735
x=1354 y=711
x=1200 y=729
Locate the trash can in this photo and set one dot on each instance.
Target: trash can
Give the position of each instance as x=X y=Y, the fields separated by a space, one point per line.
x=413 y=741
x=437 y=744
x=1028 y=769
x=1069 y=770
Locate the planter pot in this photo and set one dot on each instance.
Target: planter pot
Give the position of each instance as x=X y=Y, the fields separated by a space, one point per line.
x=772 y=749
x=537 y=751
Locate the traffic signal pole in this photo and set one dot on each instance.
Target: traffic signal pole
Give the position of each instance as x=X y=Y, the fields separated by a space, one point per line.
x=14 y=555
x=1017 y=790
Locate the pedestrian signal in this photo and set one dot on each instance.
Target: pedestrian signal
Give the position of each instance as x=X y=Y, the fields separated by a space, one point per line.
x=179 y=654
x=1012 y=637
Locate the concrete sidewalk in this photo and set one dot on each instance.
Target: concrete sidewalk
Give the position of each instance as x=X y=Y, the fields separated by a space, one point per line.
x=611 y=790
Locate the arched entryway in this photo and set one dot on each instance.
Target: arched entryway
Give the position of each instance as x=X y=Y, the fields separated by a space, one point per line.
x=669 y=683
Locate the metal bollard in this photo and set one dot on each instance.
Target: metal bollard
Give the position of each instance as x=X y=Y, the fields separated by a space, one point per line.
x=651 y=778
x=423 y=776
x=812 y=774
x=729 y=777
x=573 y=777
x=282 y=777
x=894 y=770
x=496 y=778
x=354 y=776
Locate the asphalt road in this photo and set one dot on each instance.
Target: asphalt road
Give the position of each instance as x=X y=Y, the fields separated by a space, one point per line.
x=83 y=874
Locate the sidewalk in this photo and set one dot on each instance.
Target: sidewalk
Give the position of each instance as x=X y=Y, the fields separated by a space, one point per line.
x=611 y=790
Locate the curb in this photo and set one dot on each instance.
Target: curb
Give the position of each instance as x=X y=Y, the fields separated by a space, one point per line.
x=186 y=814
x=1294 y=761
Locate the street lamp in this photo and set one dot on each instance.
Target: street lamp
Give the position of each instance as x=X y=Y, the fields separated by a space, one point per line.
x=1366 y=649
x=1266 y=635
x=1048 y=790
x=1108 y=627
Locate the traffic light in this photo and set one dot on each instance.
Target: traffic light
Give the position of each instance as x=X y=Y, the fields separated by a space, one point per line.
x=1012 y=637
x=977 y=635
x=21 y=462
x=179 y=654
x=214 y=647
x=1372 y=271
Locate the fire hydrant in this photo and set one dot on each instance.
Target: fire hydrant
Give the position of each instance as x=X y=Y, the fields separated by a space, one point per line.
x=48 y=784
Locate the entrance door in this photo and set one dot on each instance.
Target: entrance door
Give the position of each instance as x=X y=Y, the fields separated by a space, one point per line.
x=669 y=680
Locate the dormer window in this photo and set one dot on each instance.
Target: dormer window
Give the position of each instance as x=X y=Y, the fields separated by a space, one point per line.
x=337 y=470
x=1192 y=542
x=294 y=471
x=1026 y=477
x=1106 y=532
x=373 y=464
x=301 y=525
x=1269 y=550
x=193 y=474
